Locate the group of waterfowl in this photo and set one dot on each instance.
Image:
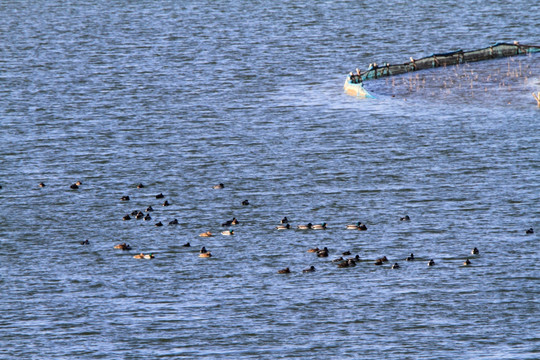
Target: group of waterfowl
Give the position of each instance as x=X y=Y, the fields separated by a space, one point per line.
x=137 y=214
x=284 y=225
x=224 y=232
x=352 y=261
x=73 y=186
x=229 y=232
x=310 y=226
x=144 y=256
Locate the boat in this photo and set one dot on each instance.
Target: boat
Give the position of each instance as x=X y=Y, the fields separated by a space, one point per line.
x=355 y=87
x=354 y=84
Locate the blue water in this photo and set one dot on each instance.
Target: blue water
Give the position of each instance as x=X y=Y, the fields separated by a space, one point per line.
x=181 y=96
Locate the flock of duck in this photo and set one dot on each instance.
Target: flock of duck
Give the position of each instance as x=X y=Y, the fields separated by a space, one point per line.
x=342 y=262
x=137 y=214
x=350 y=262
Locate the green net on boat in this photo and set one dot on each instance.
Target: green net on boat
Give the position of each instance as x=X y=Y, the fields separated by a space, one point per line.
x=498 y=50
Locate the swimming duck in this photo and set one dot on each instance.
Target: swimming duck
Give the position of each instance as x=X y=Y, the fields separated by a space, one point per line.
x=124 y=198
x=323 y=252
x=218 y=186
x=410 y=257
x=166 y=203
x=126 y=217
x=160 y=196
x=41 y=184
x=139 y=256
x=206 y=234
x=230 y=222
x=245 y=202
x=139 y=215
x=314 y=250
x=123 y=246
x=346 y=253
x=204 y=253
x=147 y=217
x=304 y=227
x=357 y=226
x=283 y=227
x=530 y=231
x=187 y=245
x=140 y=186
x=309 y=269
x=467 y=262
x=85 y=242
x=159 y=224
x=475 y=251
x=340 y=259
x=134 y=212
x=74 y=186
x=395 y=266
x=354 y=226
x=431 y=262
x=150 y=208
x=284 y=271
x=284 y=220
x=405 y=218
x=319 y=226
x=149 y=256
x=173 y=222
x=227 y=232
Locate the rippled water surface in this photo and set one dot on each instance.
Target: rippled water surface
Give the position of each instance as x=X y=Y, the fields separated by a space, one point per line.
x=181 y=96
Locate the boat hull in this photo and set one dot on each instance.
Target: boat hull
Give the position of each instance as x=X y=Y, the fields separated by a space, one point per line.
x=356 y=90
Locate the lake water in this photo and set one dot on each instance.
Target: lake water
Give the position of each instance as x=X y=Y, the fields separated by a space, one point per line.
x=181 y=96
